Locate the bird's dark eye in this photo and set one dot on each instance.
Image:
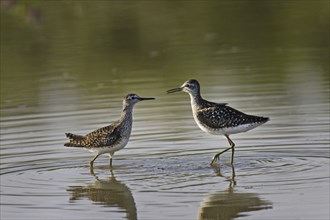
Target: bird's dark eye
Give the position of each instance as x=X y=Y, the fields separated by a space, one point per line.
x=133 y=97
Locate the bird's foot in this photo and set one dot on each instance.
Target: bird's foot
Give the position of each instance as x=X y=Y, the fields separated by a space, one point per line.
x=215 y=158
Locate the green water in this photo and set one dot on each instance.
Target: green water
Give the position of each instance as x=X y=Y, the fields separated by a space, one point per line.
x=66 y=65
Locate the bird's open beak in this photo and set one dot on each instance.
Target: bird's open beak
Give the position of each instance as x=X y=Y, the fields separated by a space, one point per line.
x=174 y=90
x=141 y=99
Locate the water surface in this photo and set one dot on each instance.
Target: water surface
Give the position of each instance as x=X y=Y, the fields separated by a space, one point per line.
x=66 y=65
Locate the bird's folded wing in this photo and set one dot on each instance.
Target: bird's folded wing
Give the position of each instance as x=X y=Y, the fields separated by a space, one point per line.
x=220 y=116
x=105 y=136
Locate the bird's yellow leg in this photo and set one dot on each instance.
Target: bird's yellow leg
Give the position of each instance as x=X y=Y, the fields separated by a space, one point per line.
x=91 y=163
x=216 y=157
x=232 y=146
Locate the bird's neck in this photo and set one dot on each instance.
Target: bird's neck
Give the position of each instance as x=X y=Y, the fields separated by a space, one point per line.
x=127 y=115
x=195 y=99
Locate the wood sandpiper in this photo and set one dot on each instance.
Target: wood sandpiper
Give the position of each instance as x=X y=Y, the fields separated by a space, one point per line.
x=109 y=139
x=218 y=118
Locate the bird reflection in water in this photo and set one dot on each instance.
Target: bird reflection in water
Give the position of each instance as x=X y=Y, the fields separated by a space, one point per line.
x=230 y=204
x=110 y=192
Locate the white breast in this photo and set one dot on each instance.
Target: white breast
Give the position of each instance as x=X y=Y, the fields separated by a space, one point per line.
x=110 y=149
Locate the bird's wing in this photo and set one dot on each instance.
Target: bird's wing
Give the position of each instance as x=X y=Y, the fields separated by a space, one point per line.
x=221 y=116
x=101 y=137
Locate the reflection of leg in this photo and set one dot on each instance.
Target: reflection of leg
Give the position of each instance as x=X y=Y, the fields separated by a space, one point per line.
x=233 y=174
x=232 y=146
x=216 y=157
x=232 y=180
x=91 y=170
x=92 y=161
x=216 y=169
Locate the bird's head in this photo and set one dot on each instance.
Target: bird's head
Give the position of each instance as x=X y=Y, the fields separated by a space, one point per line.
x=191 y=86
x=132 y=98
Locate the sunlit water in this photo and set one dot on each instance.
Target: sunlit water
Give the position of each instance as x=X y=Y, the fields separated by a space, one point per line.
x=281 y=169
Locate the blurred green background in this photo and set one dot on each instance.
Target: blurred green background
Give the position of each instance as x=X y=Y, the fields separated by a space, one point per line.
x=66 y=65
x=110 y=41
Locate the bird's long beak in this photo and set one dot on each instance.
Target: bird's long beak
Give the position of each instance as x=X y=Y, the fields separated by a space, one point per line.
x=141 y=99
x=174 y=90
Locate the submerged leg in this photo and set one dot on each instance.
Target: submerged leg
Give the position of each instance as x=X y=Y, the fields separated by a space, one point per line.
x=92 y=161
x=232 y=180
x=232 y=145
x=110 y=162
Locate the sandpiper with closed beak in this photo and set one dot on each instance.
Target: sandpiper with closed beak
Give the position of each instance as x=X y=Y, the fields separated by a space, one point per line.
x=109 y=139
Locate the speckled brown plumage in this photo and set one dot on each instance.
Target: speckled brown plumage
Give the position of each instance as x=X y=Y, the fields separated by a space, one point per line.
x=101 y=137
x=111 y=138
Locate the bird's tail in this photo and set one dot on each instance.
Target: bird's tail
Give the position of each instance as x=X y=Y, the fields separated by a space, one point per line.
x=75 y=140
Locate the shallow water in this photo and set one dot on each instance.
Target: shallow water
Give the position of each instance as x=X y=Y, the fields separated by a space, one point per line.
x=62 y=74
